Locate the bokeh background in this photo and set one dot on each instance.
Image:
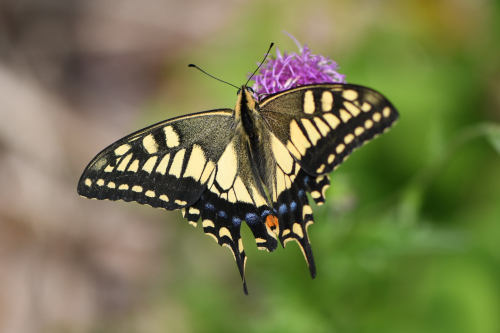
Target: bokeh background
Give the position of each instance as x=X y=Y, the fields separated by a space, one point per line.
x=408 y=240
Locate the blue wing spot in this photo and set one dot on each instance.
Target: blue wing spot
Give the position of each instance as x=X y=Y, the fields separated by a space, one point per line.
x=293 y=206
x=236 y=221
x=209 y=206
x=283 y=209
x=251 y=218
x=306 y=180
x=265 y=213
x=222 y=213
x=301 y=193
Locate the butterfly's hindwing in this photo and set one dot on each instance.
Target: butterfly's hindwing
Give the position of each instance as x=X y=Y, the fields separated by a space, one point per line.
x=234 y=194
x=288 y=188
x=322 y=124
x=287 y=184
x=166 y=165
x=295 y=216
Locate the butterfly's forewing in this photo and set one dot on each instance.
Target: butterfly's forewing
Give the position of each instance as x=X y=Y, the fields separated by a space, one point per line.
x=166 y=165
x=322 y=124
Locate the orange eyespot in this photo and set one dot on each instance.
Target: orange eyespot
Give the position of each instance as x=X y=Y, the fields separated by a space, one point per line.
x=272 y=222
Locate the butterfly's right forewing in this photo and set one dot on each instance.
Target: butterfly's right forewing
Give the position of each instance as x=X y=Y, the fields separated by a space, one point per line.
x=322 y=124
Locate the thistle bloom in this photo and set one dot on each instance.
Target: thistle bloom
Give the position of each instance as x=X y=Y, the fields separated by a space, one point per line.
x=292 y=70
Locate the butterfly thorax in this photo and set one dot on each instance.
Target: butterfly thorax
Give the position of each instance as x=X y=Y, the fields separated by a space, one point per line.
x=247 y=113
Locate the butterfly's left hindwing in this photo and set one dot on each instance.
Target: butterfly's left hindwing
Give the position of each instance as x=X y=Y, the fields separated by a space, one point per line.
x=234 y=194
x=166 y=165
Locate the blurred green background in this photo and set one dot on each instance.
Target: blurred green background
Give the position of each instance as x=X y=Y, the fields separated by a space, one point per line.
x=409 y=237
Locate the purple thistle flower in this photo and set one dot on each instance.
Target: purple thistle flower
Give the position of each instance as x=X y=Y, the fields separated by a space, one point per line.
x=292 y=70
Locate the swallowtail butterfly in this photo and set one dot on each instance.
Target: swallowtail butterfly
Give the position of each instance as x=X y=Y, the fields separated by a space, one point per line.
x=254 y=163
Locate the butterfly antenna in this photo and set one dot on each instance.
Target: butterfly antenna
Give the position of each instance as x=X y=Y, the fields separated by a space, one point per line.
x=265 y=57
x=198 y=68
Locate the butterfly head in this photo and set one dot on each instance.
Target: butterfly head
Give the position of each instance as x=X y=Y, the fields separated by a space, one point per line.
x=245 y=100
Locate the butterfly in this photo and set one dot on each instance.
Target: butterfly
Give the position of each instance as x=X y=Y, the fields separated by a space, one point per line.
x=254 y=163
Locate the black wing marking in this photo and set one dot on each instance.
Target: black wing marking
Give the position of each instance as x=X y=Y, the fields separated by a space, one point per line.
x=234 y=194
x=166 y=165
x=326 y=122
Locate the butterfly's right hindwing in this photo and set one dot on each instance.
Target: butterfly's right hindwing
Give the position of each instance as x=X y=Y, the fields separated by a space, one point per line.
x=166 y=165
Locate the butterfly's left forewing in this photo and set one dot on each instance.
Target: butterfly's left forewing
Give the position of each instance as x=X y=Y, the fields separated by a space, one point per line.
x=166 y=165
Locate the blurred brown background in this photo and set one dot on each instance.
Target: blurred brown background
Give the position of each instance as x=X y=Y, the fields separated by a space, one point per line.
x=76 y=75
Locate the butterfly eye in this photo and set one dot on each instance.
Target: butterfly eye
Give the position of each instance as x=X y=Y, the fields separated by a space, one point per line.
x=239 y=90
x=250 y=90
